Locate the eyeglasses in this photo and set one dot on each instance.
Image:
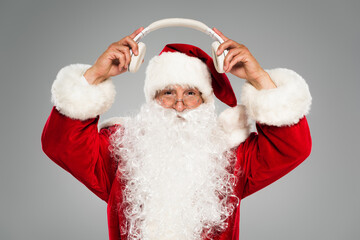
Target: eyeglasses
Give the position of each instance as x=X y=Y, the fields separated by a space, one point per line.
x=191 y=98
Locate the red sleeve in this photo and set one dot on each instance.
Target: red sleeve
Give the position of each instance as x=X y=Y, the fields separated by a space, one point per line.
x=273 y=152
x=79 y=148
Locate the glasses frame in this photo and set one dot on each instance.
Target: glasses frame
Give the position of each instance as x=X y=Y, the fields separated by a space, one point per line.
x=159 y=97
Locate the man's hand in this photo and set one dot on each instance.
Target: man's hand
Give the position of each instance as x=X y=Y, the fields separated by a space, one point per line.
x=242 y=64
x=114 y=60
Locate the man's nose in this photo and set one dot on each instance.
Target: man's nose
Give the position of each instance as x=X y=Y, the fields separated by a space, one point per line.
x=179 y=106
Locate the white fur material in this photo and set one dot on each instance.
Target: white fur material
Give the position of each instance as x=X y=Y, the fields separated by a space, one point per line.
x=171 y=68
x=77 y=100
x=282 y=106
x=236 y=124
x=112 y=121
x=176 y=184
x=234 y=121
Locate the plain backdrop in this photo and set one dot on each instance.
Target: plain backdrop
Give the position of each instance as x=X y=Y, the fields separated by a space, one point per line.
x=319 y=39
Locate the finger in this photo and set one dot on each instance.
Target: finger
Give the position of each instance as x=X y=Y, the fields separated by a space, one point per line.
x=127 y=58
x=118 y=48
x=118 y=58
x=121 y=61
x=126 y=52
x=241 y=58
x=122 y=71
x=115 y=58
x=136 y=32
x=225 y=45
x=232 y=53
x=220 y=34
x=128 y=41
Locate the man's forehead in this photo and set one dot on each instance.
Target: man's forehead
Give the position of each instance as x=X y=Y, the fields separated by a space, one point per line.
x=178 y=86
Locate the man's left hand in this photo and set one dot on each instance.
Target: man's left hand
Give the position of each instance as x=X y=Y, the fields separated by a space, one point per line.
x=241 y=63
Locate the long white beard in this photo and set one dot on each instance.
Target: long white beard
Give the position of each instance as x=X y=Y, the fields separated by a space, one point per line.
x=176 y=169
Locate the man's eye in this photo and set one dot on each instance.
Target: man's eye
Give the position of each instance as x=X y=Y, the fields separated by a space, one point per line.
x=191 y=93
x=168 y=92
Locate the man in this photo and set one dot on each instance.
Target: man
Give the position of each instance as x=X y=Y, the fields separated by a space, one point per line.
x=176 y=170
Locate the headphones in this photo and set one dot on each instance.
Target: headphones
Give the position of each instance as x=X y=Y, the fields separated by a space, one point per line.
x=136 y=61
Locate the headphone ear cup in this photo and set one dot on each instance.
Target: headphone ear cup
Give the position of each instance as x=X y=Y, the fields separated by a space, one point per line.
x=136 y=61
x=218 y=60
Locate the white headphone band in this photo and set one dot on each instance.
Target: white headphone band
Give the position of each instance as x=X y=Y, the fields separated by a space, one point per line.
x=178 y=22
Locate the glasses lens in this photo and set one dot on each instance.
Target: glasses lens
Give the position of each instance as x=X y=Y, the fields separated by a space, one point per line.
x=168 y=100
x=192 y=101
x=191 y=98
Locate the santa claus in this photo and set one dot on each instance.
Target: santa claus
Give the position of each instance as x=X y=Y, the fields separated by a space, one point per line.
x=176 y=170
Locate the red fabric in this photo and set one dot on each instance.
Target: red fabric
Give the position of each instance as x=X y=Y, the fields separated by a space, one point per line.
x=220 y=82
x=82 y=150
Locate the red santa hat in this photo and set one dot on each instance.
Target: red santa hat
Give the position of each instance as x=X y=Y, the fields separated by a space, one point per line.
x=183 y=64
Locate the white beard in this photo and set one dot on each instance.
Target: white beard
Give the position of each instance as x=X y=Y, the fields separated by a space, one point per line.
x=176 y=169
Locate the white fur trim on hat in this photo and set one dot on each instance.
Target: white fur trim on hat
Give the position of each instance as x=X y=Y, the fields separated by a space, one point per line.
x=77 y=99
x=236 y=125
x=281 y=106
x=175 y=68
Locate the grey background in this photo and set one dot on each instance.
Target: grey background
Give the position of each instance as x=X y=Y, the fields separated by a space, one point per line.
x=318 y=39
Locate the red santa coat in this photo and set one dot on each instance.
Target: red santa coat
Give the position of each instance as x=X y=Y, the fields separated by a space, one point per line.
x=72 y=140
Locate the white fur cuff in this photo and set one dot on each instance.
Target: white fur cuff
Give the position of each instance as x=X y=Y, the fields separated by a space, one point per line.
x=77 y=100
x=284 y=105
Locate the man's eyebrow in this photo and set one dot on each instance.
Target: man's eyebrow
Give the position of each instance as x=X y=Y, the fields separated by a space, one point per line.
x=168 y=88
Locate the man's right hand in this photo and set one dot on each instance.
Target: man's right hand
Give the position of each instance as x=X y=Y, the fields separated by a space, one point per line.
x=114 y=61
